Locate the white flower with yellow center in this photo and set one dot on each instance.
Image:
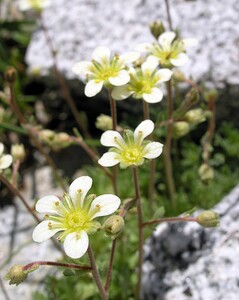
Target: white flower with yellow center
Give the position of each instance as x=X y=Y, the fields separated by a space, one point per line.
x=130 y=150
x=73 y=216
x=104 y=70
x=169 y=51
x=144 y=82
x=5 y=159
x=37 y=5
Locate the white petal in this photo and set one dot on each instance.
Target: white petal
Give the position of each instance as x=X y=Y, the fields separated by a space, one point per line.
x=93 y=87
x=108 y=204
x=109 y=159
x=48 y=204
x=121 y=79
x=1 y=148
x=144 y=47
x=111 y=138
x=144 y=129
x=42 y=232
x=76 y=244
x=155 y=96
x=79 y=188
x=82 y=67
x=164 y=75
x=166 y=38
x=149 y=66
x=190 y=42
x=181 y=60
x=121 y=92
x=153 y=150
x=129 y=57
x=101 y=55
x=5 y=161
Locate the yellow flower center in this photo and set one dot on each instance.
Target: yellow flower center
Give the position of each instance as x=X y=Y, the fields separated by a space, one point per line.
x=132 y=155
x=36 y=4
x=77 y=220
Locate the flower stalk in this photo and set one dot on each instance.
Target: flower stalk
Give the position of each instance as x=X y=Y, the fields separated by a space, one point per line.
x=57 y=264
x=167 y=151
x=140 y=231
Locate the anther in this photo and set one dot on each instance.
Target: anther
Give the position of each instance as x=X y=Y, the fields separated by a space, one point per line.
x=57 y=203
x=50 y=225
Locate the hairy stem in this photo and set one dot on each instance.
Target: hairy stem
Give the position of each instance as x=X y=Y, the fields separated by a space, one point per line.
x=140 y=231
x=96 y=274
x=171 y=219
x=57 y=264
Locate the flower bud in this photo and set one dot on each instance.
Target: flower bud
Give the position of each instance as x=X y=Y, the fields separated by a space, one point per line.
x=206 y=173
x=114 y=225
x=104 y=122
x=156 y=29
x=195 y=116
x=180 y=129
x=61 y=140
x=192 y=97
x=208 y=218
x=11 y=74
x=47 y=136
x=18 y=152
x=16 y=275
x=178 y=75
x=211 y=95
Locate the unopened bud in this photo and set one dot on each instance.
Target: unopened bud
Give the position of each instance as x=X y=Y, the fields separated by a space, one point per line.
x=16 y=275
x=178 y=75
x=104 y=122
x=206 y=173
x=211 y=95
x=195 y=116
x=61 y=140
x=208 y=218
x=192 y=96
x=11 y=74
x=18 y=152
x=47 y=136
x=114 y=225
x=156 y=29
x=180 y=129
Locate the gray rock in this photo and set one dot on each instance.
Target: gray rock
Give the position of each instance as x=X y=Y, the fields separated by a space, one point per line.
x=184 y=261
x=78 y=26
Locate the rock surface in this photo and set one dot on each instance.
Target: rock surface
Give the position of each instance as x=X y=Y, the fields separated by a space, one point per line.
x=184 y=261
x=78 y=26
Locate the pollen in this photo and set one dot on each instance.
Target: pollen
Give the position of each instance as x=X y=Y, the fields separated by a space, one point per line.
x=57 y=203
x=50 y=225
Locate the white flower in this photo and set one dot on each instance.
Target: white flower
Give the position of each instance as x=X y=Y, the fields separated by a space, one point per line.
x=130 y=150
x=37 y=5
x=144 y=83
x=5 y=160
x=74 y=216
x=104 y=70
x=169 y=51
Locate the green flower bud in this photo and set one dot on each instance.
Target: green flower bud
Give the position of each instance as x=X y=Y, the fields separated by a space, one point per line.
x=47 y=136
x=180 y=129
x=211 y=95
x=178 y=75
x=114 y=225
x=104 y=122
x=156 y=29
x=18 y=152
x=195 y=116
x=11 y=74
x=206 y=173
x=192 y=97
x=208 y=218
x=16 y=275
x=61 y=140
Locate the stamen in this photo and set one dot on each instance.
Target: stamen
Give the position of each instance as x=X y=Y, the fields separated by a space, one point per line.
x=50 y=225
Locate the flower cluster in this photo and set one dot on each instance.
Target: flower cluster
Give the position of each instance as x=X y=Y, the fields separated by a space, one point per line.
x=74 y=216
x=5 y=159
x=130 y=150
